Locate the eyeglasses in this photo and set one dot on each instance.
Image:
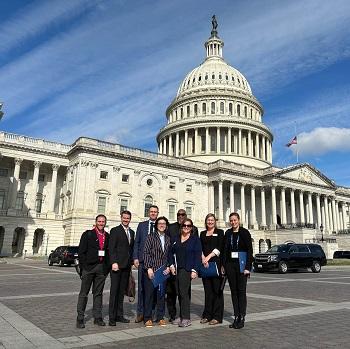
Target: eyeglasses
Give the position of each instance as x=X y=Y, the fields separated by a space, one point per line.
x=181 y=214
x=187 y=226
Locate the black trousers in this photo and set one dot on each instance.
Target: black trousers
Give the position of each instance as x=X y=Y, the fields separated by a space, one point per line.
x=96 y=278
x=214 y=299
x=171 y=296
x=238 y=287
x=154 y=298
x=119 y=283
x=183 y=288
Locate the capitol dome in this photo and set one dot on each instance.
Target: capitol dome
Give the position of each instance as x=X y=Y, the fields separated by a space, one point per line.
x=215 y=115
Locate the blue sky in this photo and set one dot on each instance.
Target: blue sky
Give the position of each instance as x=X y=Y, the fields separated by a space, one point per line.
x=108 y=69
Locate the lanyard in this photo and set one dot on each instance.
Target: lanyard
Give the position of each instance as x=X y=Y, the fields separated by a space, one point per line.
x=98 y=233
x=232 y=241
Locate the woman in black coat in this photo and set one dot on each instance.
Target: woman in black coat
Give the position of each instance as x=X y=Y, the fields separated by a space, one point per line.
x=212 y=240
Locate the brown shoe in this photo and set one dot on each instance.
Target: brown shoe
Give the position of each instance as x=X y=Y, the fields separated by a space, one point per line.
x=162 y=322
x=213 y=322
x=149 y=323
x=139 y=318
x=204 y=320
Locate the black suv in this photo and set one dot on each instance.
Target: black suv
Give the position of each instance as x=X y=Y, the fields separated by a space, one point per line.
x=291 y=256
x=341 y=254
x=63 y=255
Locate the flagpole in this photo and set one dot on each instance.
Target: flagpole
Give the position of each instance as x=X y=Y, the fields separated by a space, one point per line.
x=295 y=132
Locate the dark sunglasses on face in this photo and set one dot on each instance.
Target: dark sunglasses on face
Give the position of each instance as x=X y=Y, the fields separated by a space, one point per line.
x=187 y=226
x=181 y=214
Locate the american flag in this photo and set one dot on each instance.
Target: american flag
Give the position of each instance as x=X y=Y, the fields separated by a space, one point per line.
x=293 y=141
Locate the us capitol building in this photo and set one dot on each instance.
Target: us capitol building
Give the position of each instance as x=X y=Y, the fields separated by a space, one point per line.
x=214 y=155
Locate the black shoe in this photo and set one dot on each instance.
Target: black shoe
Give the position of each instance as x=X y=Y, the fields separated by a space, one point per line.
x=122 y=319
x=241 y=323
x=235 y=322
x=99 y=322
x=112 y=323
x=80 y=324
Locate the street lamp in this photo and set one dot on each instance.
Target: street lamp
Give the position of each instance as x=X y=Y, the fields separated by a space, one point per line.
x=321 y=229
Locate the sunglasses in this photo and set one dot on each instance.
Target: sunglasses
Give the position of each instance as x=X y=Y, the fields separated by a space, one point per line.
x=187 y=226
x=181 y=214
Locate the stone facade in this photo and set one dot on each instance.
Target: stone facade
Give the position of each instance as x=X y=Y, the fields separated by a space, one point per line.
x=214 y=155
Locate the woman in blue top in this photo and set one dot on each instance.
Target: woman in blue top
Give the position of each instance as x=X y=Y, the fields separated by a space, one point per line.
x=187 y=252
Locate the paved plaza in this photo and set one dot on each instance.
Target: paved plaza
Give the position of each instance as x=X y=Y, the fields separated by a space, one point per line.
x=305 y=310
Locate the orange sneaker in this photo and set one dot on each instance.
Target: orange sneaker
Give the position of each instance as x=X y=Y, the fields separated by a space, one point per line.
x=162 y=322
x=149 y=323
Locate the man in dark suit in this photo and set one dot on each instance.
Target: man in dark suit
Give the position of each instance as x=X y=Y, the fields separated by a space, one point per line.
x=142 y=231
x=94 y=262
x=120 y=252
x=174 y=232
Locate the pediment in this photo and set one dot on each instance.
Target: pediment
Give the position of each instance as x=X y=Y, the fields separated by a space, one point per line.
x=306 y=173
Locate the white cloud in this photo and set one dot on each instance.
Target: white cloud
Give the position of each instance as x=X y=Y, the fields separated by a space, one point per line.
x=323 y=140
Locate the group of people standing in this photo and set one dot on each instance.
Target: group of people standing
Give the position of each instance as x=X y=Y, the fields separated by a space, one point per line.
x=168 y=257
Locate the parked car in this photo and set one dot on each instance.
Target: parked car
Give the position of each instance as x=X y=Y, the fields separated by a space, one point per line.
x=291 y=256
x=63 y=255
x=341 y=254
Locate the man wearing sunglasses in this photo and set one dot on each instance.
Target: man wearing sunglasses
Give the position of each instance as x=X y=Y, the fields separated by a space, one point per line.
x=174 y=232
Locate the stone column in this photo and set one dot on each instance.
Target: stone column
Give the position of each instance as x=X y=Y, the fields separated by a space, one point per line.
x=218 y=140
x=196 y=141
x=318 y=208
x=235 y=142
x=263 y=209
x=257 y=145
x=311 y=213
x=177 y=144
x=284 y=210
x=229 y=142
x=301 y=203
x=221 y=208
x=164 y=146
x=242 y=203
x=240 y=142
x=334 y=214
x=211 y=197
x=263 y=143
x=331 y=225
x=343 y=208
x=273 y=205
x=53 y=189
x=232 y=197
x=34 y=190
x=207 y=141
x=338 y=215
x=15 y=182
x=171 y=151
x=327 y=225
x=186 y=143
x=292 y=206
x=249 y=143
x=252 y=198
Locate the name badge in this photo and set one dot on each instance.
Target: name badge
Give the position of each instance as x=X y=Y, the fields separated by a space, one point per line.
x=215 y=234
x=234 y=254
x=101 y=253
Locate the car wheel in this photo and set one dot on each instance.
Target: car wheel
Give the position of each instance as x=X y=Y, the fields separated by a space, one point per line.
x=60 y=263
x=316 y=267
x=49 y=262
x=282 y=267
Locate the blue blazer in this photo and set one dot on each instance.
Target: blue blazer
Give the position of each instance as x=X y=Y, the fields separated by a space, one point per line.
x=140 y=239
x=193 y=252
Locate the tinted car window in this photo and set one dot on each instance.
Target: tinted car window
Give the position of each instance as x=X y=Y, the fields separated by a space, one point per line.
x=303 y=249
x=293 y=249
x=316 y=248
x=278 y=248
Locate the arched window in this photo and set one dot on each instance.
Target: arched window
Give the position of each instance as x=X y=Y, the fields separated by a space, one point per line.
x=222 y=107
x=251 y=113
x=206 y=77
x=148 y=202
x=19 y=200
x=213 y=76
x=195 y=109
x=204 y=108
x=245 y=111
x=200 y=78
x=212 y=109
x=230 y=109
x=188 y=111
x=220 y=77
x=238 y=109
x=181 y=113
x=2 y=199
x=39 y=203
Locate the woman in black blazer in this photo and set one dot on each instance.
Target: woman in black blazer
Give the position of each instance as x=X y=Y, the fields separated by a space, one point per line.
x=237 y=239
x=186 y=258
x=212 y=240
x=156 y=254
